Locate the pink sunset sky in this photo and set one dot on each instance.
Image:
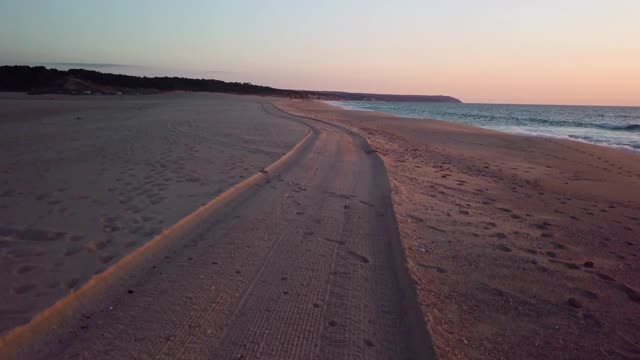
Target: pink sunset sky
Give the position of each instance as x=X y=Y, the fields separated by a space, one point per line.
x=497 y=51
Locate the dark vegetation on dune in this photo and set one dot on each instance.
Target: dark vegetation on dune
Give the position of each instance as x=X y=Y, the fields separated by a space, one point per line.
x=40 y=80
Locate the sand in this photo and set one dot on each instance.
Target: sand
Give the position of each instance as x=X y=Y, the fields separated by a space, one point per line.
x=504 y=246
x=85 y=180
x=305 y=263
x=520 y=247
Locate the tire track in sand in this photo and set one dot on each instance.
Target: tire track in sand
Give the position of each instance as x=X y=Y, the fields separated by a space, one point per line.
x=273 y=274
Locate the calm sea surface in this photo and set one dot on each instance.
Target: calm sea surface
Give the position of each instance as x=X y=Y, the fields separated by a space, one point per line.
x=602 y=125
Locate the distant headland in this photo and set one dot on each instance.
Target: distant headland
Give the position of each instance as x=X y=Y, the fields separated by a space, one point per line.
x=347 y=96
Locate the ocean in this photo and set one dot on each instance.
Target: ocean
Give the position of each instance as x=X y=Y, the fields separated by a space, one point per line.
x=602 y=125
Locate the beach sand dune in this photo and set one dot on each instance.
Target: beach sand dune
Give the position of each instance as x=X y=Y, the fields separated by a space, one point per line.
x=85 y=180
x=520 y=247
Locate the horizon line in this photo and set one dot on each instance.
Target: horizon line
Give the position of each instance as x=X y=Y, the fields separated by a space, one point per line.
x=107 y=65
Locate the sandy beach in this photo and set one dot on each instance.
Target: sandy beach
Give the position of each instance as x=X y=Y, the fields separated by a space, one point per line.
x=416 y=180
x=519 y=247
x=86 y=180
x=375 y=236
x=300 y=260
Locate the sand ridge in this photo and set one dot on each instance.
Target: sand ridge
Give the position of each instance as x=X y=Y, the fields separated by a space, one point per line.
x=56 y=319
x=87 y=180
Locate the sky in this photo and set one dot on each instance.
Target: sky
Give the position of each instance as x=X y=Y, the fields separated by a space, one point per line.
x=496 y=51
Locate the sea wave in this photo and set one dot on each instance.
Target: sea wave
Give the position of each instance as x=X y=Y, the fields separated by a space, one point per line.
x=625 y=127
x=493 y=119
x=581 y=138
x=610 y=126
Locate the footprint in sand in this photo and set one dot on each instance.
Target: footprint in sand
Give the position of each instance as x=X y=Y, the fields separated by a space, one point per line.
x=366 y=203
x=604 y=277
x=339 y=242
x=148 y=218
x=541 y=226
x=433 y=267
x=53 y=284
x=587 y=294
x=489 y=225
x=632 y=293
x=23 y=289
x=363 y=259
x=152 y=231
x=72 y=283
x=558 y=245
x=369 y=343
x=503 y=247
x=72 y=250
x=23 y=269
x=568 y=265
x=111 y=228
x=105 y=259
x=31 y=234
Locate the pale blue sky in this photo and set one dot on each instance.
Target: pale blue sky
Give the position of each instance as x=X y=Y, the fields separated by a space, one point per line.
x=487 y=51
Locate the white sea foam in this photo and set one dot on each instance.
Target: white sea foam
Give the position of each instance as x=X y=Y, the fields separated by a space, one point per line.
x=617 y=127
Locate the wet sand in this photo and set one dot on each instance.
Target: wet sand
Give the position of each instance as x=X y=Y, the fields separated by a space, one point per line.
x=85 y=180
x=520 y=247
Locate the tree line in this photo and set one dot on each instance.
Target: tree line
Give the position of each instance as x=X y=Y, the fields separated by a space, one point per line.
x=22 y=78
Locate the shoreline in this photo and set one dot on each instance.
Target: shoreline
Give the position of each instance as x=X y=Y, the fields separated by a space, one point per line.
x=517 y=133
x=524 y=239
